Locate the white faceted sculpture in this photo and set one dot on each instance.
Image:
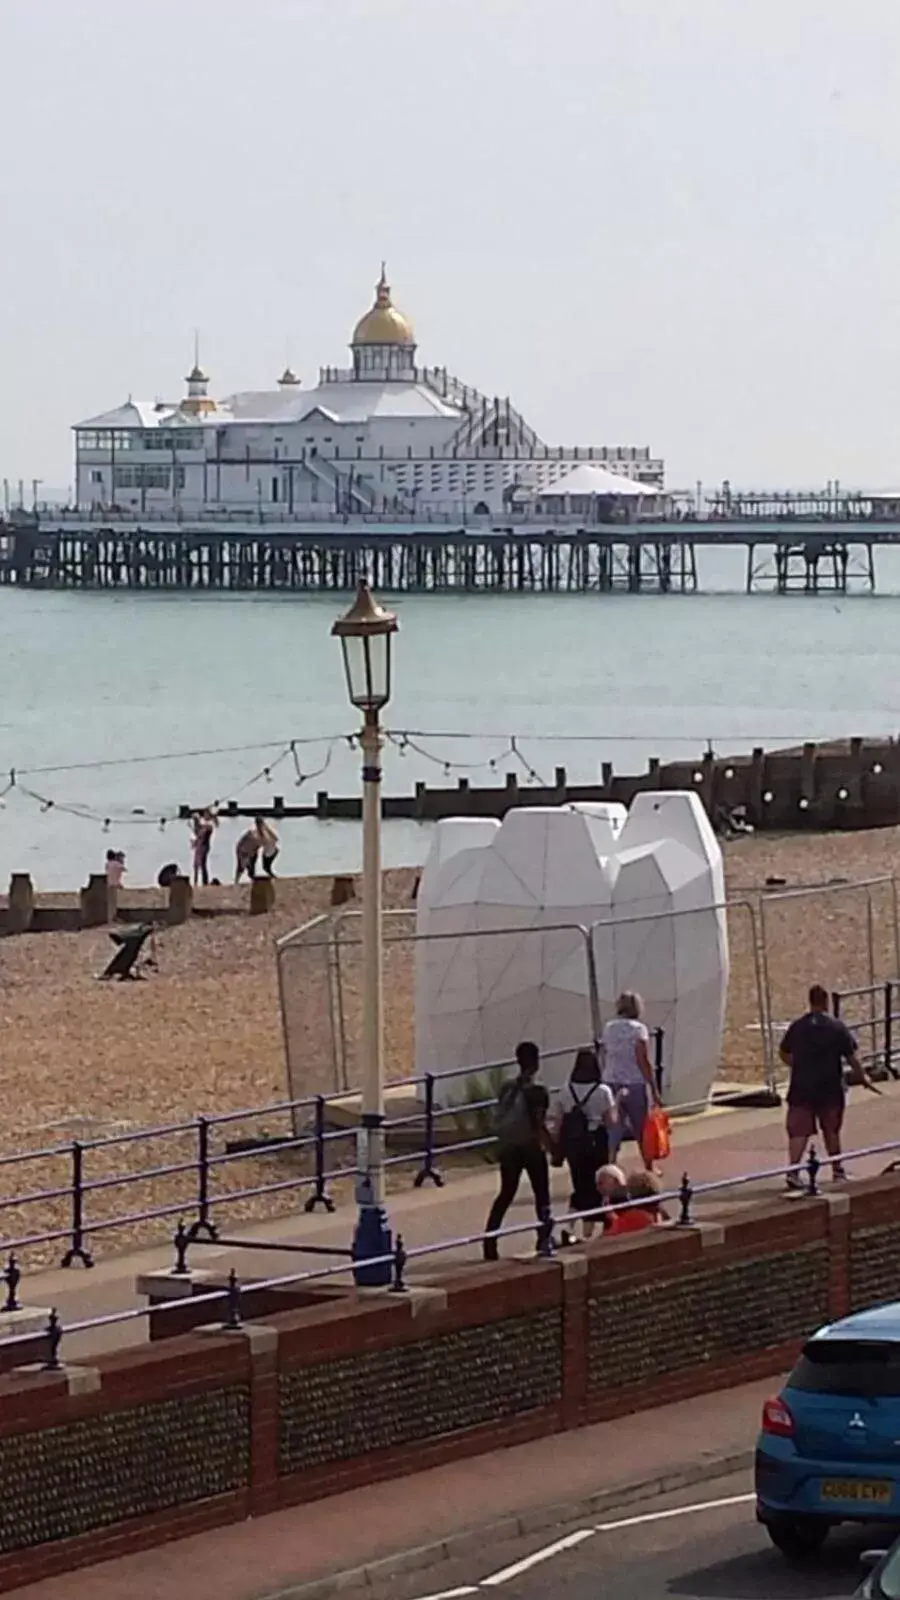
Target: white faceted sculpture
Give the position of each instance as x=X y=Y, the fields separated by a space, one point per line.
x=538 y=923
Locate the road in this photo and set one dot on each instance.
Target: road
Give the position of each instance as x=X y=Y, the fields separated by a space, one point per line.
x=702 y=1544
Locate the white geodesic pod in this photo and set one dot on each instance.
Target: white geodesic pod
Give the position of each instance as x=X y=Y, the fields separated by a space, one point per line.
x=678 y=814
x=602 y=811
x=682 y=970
x=480 y=991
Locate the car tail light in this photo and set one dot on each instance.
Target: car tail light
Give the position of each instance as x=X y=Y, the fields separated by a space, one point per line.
x=777 y=1419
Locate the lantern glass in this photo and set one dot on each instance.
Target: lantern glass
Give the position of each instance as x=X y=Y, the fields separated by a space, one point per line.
x=367 y=664
x=365 y=635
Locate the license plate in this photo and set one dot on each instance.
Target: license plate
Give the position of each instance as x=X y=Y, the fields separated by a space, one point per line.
x=859 y=1490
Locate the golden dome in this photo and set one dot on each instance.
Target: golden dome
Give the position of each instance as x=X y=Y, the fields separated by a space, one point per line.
x=384 y=324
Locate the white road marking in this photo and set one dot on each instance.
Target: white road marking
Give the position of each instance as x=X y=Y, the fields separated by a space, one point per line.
x=549 y=1550
x=572 y=1539
x=451 y=1594
x=676 y=1511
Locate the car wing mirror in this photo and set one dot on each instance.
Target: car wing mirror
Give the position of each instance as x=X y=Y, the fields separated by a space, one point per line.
x=871 y=1558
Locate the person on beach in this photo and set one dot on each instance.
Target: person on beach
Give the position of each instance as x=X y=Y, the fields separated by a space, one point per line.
x=246 y=853
x=268 y=844
x=203 y=826
x=815 y=1048
x=115 y=869
x=628 y=1070
x=522 y=1142
x=582 y=1116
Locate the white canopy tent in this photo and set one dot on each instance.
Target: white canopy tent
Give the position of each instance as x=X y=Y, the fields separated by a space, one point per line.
x=593 y=481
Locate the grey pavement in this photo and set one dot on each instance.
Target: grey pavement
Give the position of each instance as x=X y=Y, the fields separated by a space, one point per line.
x=646 y=1553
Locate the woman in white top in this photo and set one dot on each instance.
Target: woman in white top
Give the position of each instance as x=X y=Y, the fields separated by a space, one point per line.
x=582 y=1117
x=627 y=1068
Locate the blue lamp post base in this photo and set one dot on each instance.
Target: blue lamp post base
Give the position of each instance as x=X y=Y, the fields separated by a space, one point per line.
x=372 y=1238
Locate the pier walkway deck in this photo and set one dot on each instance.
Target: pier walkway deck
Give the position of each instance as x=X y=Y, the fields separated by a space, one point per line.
x=818 y=554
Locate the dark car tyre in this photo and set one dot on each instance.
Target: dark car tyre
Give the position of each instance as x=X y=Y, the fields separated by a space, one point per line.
x=798 y=1538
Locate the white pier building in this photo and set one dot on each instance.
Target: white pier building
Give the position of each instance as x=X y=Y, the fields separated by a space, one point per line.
x=382 y=437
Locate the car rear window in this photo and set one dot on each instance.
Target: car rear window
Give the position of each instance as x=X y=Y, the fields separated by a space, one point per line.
x=848 y=1367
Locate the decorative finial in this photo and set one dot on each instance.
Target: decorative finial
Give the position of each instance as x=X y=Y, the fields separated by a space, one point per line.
x=383 y=289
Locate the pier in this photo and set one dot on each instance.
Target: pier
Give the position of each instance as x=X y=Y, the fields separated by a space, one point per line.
x=787 y=549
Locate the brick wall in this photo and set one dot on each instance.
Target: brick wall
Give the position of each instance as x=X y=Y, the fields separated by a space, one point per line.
x=209 y=1427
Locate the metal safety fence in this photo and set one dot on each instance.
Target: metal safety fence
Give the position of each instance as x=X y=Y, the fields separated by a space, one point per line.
x=320 y=1140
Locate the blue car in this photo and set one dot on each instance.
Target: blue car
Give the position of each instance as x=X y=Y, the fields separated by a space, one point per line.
x=829 y=1448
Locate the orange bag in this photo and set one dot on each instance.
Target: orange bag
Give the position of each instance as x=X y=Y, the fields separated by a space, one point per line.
x=656 y=1139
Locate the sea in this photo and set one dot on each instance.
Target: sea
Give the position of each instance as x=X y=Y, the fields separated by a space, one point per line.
x=118 y=708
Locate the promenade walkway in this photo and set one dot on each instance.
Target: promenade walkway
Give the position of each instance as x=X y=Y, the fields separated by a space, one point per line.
x=716 y=1145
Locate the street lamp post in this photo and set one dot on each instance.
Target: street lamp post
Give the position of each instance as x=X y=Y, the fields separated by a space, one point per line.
x=365 y=634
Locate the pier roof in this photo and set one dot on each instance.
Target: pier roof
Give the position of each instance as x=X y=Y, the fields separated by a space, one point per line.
x=344 y=402
x=133 y=414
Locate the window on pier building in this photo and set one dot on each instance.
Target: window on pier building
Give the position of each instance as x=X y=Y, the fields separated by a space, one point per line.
x=155 y=477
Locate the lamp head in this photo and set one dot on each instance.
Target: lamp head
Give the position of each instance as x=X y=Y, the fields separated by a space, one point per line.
x=365 y=634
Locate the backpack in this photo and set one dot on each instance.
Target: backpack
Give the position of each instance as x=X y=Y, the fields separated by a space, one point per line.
x=576 y=1138
x=514 y=1124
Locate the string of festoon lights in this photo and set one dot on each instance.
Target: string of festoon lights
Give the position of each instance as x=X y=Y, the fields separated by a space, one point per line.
x=309 y=757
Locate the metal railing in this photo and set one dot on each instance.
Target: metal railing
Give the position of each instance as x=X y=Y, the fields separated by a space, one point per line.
x=806 y=1185
x=879 y=1051
x=321 y=1143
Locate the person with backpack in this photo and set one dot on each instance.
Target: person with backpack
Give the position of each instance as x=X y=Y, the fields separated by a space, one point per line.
x=522 y=1143
x=584 y=1115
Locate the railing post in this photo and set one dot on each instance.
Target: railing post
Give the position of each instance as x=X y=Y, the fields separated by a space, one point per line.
x=54 y=1333
x=204 y=1223
x=319 y=1197
x=12 y=1277
x=889 y=1029
x=180 y=1242
x=835 y=1002
x=234 y=1319
x=76 y=1250
x=685 y=1196
x=428 y=1168
x=399 y=1286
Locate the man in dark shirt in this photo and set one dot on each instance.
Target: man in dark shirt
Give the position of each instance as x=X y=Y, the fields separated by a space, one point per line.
x=815 y=1048
x=521 y=1143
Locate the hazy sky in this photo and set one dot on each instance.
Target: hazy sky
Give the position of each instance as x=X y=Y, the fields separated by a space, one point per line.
x=664 y=222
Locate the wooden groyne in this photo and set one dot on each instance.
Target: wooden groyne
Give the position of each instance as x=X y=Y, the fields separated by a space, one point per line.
x=840 y=785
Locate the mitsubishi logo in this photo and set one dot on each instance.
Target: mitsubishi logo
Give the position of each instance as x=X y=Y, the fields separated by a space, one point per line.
x=856 y=1421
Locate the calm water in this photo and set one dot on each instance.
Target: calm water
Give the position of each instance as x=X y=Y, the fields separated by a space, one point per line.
x=104 y=678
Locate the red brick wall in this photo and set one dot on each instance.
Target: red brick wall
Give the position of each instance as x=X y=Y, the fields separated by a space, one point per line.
x=209 y=1427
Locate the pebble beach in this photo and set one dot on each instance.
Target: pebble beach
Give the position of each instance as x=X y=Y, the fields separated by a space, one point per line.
x=204 y=1033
